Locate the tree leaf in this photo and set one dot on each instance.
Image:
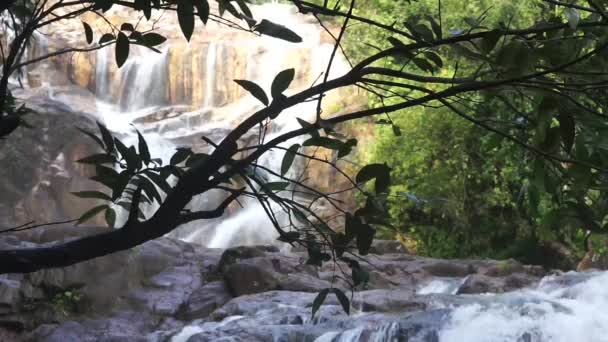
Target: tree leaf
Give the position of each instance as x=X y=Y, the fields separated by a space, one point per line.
x=92 y=194
x=227 y=5
x=122 y=49
x=110 y=217
x=289 y=237
x=202 y=8
x=305 y=124
x=424 y=32
x=91 y=213
x=144 y=152
x=92 y=136
x=281 y=82
x=359 y=275
x=129 y=155
x=127 y=27
x=180 y=155
x=106 y=37
x=100 y=158
x=489 y=41
x=255 y=90
x=342 y=299
x=105 y=175
x=88 y=32
x=435 y=27
x=329 y=143
x=318 y=301
x=185 y=16
x=159 y=181
x=567 y=127
x=120 y=184
x=288 y=158
x=243 y=6
x=435 y=58
x=144 y=6
x=197 y=159
x=396 y=130
x=365 y=237
x=278 y=31
x=152 y=39
x=423 y=64
x=107 y=137
x=276 y=186
x=150 y=189
x=380 y=172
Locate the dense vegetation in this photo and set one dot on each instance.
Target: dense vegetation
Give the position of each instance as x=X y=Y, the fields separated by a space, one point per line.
x=459 y=190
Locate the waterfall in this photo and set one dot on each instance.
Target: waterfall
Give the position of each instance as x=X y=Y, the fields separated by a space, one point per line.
x=186 y=91
x=209 y=76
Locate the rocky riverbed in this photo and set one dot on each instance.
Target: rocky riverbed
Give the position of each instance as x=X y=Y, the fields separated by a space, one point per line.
x=169 y=290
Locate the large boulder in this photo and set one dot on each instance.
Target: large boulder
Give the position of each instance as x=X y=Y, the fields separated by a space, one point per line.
x=205 y=300
x=249 y=278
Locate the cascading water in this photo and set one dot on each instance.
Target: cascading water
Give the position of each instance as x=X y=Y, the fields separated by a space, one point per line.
x=186 y=91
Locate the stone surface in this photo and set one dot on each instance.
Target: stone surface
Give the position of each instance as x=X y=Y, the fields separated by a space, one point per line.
x=167 y=287
x=205 y=300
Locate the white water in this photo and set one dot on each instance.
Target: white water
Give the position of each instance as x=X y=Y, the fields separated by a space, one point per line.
x=138 y=90
x=441 y=285
x=551 y=312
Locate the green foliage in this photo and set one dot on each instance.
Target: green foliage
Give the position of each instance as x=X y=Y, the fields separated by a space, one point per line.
x=462 y=191
x=68 y=302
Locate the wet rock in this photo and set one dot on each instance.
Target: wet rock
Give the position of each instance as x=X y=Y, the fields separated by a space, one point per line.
x=243 y=279
x=205 y=300
x=388 y=301
x=302 y=283
x=478 y=283
x=387 y=247
x=504 y=268
x=233 y=255
x=449 y=269
x=123 y=326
